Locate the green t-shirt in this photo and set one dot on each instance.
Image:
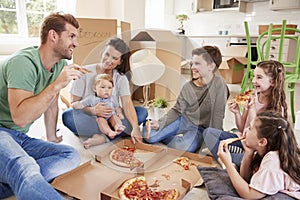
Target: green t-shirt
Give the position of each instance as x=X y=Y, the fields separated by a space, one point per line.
x=24 y=70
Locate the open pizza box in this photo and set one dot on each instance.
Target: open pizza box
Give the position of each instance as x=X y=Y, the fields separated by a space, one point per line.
x=101 y=179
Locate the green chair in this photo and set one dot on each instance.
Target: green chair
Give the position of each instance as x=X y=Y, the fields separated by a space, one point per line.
x=264 y=44
x=248 y=76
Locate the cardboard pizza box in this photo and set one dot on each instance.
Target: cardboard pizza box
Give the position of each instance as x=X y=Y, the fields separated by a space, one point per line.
x=87 y=180
x=96 y=177
x=154 y=157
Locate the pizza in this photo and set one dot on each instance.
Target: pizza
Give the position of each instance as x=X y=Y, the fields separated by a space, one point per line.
x=183 y=162
x=243 y=98
x=82 y=70
x=231 y=140
x=124 y=157
x=137 y=188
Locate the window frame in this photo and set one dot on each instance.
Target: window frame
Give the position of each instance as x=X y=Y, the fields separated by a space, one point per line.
x=13 y=42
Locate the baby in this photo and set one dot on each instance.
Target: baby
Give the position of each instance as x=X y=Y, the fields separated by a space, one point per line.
x=103 y=87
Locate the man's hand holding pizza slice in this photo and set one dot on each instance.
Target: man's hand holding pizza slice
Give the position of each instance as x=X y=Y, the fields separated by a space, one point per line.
x=82 y=70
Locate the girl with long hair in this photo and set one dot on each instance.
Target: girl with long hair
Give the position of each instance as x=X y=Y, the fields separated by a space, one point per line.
x=271 y=162
x=269 y=94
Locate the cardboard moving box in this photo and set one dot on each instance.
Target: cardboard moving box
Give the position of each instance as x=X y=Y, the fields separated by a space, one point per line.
x=233 y=64
x=101 y=179
x=166 y=46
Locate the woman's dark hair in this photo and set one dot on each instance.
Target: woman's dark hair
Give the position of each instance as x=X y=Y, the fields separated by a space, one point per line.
x=56 y=21
x=280 y=137
x=211 y=54
x=122 y=47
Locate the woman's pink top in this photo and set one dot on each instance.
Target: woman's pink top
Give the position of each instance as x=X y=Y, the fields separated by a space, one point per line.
x=270 y=178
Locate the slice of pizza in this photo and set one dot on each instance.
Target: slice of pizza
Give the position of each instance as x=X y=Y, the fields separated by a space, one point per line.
x=124 y=157
x=231 y=140
x=82 y=70
x=183 y=162
x=137 y=189
x=241 y=99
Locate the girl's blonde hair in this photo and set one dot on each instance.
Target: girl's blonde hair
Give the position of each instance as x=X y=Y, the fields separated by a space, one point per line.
x=280 y=136
x=277 y=99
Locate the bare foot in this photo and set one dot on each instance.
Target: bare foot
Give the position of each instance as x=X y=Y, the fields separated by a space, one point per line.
x=119 y=128
x=111 y=134
x=54 y=138
x=96 y=139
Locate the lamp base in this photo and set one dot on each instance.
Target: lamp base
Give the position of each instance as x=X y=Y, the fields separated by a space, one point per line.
x=146 y=91
x=139 y=93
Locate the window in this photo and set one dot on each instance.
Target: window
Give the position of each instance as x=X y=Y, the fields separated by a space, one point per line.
x=20 y=20
x=24 y=17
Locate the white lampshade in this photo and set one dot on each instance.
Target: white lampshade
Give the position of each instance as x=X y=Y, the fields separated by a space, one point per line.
x=146 y=67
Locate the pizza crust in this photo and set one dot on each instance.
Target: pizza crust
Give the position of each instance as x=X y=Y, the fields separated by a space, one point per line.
x=121 y=164
x=82 y=70
x=128 y=184
x=124 y=155
x=231 y=140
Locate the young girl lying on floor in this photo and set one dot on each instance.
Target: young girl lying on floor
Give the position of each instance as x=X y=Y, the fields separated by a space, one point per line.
x=271 y=161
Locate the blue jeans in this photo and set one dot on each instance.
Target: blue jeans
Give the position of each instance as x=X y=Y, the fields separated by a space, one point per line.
x=180 y=134
x=28 y=164
x=83 y=124
x=212 y=138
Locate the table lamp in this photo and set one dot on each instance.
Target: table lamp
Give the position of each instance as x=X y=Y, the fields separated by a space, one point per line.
x=146 y=68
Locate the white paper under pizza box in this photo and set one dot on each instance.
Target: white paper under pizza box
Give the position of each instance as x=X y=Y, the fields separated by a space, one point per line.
x=101 y=179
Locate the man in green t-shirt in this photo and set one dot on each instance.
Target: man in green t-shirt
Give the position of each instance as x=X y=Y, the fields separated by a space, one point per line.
x=30 y=82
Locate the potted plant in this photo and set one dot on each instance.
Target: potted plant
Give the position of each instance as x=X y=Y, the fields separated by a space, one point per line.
x=181 y=18
x=159 y=106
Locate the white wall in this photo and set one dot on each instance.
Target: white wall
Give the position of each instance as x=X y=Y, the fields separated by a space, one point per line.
x=92 y=8
x=132 y=11
x=209 y=23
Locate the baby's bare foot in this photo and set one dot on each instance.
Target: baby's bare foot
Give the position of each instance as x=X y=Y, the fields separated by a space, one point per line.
x=119 y=128
x=54 y=138
x=94 y=140
x=112 y=134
